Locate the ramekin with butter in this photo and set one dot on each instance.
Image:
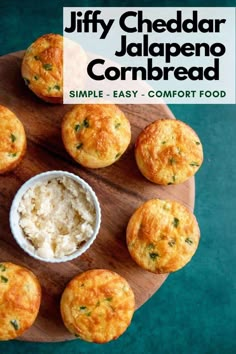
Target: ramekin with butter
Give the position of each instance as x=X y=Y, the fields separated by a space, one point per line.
x=55 y=216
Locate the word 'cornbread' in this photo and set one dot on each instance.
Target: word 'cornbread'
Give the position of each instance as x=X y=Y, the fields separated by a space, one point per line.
x=168 y=151
x=162 y=236
x=96 y=135
x=20 y=297
x=42 y=68
x=12 y=140
x=97 y=305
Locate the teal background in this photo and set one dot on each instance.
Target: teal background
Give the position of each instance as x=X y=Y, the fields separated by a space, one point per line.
x=195 y=310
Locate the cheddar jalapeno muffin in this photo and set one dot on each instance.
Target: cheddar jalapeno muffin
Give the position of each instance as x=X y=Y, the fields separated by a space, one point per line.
x=97 y=305
x=96 y=135
x=168 y=151
x=20 y=296
x=12 y=140
x=162 y=236
x=42 y=68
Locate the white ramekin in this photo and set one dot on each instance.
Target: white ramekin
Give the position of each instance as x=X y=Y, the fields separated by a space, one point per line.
x=14 y=215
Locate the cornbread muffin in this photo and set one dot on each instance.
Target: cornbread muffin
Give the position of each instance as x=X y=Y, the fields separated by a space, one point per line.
x=20 y=297
x=168 y=151
x=12 y=140
x=96 y=135
x=97 y=305
x=42 y=68
x=162 y=236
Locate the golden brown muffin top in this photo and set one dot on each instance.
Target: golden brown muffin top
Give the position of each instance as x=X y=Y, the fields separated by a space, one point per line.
x=42 y=67
x=20 y=296
x=12 y=140
x=97 y=305
x=96 y=135
x=162 y=236
x=168 y=151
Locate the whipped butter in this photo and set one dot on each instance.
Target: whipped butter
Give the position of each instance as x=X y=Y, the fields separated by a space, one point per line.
x=56 y=216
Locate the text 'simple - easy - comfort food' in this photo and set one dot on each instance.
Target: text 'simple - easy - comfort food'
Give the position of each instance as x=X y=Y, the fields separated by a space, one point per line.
x=162 y=236
x=42 y=67
x=20 y=297
x=96 y=135
x=168 y=151
x=97 y=305
x=12 y=140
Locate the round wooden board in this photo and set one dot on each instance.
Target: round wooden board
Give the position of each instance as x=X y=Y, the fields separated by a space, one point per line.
x=120 y=189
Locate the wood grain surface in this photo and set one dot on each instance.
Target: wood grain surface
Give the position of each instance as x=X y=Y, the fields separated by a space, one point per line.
x=120 y=189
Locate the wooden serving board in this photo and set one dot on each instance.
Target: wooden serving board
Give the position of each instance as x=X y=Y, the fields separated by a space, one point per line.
x=120 y=189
